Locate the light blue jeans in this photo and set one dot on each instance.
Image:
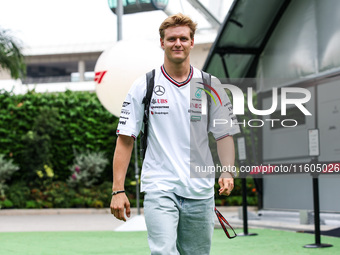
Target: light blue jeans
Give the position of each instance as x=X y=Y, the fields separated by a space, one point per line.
x=177 y=225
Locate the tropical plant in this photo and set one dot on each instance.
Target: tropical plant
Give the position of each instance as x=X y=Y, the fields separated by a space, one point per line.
x=11 y=57
x=7 y=168
x=87 y=168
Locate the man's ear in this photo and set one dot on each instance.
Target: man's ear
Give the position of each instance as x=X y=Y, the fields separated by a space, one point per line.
x=192 y=43
x=162 y=43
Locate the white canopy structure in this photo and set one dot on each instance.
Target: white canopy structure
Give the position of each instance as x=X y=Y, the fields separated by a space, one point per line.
x=288 y=43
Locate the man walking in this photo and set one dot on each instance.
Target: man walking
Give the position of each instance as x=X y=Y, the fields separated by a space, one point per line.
x=178 y=201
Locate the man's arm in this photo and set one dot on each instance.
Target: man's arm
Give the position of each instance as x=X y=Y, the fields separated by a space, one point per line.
x=121 y=161
x=226 y=154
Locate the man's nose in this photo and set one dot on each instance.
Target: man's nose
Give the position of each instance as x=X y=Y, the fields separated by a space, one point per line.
x=178 y=42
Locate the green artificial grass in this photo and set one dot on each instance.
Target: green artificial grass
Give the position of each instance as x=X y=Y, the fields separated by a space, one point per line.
x=118 y=243
x=269 y=242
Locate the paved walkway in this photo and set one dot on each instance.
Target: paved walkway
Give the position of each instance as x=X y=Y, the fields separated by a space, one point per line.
x=102 y=220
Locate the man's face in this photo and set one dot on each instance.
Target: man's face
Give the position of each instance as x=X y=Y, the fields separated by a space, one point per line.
x=177 y=43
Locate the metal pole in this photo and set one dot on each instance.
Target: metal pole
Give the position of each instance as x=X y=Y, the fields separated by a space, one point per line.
x=119 y=12
x=137 y=177
x=316 y=210
x=317 y=233
x=316 y=201
x=244 y=206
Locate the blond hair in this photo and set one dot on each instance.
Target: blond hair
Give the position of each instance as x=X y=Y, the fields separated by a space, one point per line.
x=175 y=20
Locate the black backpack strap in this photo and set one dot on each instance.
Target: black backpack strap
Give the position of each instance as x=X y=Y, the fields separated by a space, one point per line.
x=150 y=83
x=206 y=77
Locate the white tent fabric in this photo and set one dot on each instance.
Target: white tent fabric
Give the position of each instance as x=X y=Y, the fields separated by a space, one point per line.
x=305 y=44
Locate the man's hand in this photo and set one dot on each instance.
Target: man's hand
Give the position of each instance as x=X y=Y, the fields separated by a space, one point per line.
x=120 y=202
x=121 y=159
x=226 y=154
x=226 y=182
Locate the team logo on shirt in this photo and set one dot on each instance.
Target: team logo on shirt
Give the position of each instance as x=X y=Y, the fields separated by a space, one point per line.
x=125 y=104
x=230 y=107
x=195 y=118
x=159 y=90
x=198 y=93
x=126 y=112
x=195 y=105
x=159 y=101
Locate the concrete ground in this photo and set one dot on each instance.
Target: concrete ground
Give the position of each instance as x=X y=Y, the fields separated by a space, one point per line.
x=102 y=220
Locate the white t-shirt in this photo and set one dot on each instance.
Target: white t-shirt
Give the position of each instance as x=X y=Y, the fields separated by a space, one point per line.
x=177 y=135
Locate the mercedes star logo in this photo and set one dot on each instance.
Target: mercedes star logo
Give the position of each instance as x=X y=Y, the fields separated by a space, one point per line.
x=159 y=90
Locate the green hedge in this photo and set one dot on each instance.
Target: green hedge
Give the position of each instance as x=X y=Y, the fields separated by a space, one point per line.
x=79 y=121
